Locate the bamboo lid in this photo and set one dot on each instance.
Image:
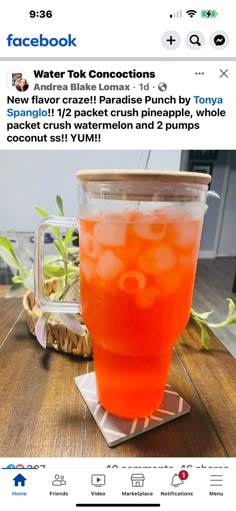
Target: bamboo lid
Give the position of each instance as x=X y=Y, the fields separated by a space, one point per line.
x=144 y=175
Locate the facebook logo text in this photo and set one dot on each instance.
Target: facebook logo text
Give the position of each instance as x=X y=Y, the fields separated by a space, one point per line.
x=41 y=41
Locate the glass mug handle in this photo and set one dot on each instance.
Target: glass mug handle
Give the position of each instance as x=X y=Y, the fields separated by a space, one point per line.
x=44 y=304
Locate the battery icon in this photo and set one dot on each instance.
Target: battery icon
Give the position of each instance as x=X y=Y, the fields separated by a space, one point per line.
x=209 y=14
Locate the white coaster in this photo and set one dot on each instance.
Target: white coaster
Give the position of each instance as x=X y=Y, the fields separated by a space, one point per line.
x=116 y=430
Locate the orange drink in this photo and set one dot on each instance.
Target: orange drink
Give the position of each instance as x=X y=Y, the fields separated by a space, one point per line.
x=137 y=277
x=139 y=235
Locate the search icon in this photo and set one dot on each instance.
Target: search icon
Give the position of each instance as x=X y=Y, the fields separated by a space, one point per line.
x=195 y=39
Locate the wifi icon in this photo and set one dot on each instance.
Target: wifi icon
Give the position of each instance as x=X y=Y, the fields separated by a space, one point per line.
x=191 y=13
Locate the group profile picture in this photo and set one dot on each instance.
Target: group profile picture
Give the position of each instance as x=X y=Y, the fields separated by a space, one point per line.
x=19 y=82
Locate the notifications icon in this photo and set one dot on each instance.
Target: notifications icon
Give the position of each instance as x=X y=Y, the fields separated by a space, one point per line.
x=179 y=478
x=176 y=481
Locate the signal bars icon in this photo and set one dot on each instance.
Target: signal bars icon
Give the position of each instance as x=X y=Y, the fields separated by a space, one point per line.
x=177 y=14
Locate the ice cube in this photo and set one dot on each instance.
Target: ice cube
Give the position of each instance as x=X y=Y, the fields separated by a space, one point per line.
x=185 y=234
x=87 y=268
x=132 y=281
x=109 y=266
x=90 y=246
x=157 y=259
x=150 y=229
x=111 y=232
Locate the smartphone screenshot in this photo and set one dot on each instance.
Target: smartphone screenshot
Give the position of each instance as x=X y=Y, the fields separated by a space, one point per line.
x=117 y=255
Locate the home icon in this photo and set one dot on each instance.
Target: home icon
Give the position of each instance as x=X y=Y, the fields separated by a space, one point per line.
x=19 y=480
x=137 y=480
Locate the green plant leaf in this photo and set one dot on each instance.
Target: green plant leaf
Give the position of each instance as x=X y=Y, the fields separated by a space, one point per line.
x=52 y=259
x=60 y=204
x=53 y=271
x=205 y=338
x=69 y=240
x=7 y=244
x=14 y=290
x=9 y=258
x=68 y=236
x=201 y=315
x=70 y=232
x=232 y=321
x=57 y=233
x=60 y=248
x=17 y=279
x=41 y=212
x=231 y=305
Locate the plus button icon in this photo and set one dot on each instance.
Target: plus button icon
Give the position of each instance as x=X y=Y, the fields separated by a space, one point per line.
x=171 y=40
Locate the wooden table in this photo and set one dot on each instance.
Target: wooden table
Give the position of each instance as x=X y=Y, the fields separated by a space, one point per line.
x=43 y=414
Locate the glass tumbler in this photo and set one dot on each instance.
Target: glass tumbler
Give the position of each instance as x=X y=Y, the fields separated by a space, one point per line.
x=139 y=235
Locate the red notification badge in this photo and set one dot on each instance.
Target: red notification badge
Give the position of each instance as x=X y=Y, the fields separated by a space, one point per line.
x=183 y=475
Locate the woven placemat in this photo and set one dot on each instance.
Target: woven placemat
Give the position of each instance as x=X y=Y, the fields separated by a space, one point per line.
x=116 y=430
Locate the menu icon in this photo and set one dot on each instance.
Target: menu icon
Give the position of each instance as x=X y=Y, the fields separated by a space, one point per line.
x=216 y=480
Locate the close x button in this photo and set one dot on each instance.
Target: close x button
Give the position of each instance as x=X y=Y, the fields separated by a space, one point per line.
x=224 y=74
